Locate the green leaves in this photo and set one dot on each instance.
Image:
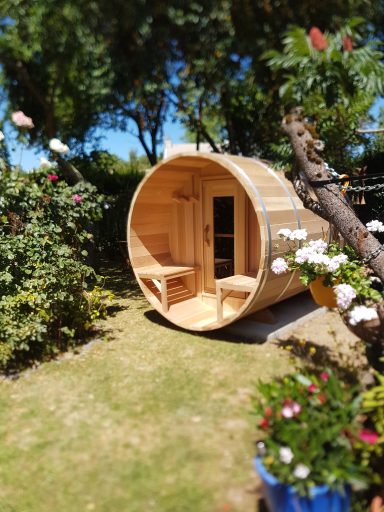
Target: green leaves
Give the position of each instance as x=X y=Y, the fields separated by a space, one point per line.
x=42 y=265
x=318 y=418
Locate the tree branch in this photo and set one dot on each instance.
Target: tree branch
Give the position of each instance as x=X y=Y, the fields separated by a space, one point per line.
x=331 y=200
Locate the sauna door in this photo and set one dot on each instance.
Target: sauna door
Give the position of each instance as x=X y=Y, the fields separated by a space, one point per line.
x=223 y=231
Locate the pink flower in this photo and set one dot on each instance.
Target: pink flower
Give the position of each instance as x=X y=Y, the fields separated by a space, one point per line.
x=312 y=388
x=77 y=198
x=53 y=177
x=290 y=409
x=324 y=376
x=368 y=436
x=21 y=120
x=317 y=38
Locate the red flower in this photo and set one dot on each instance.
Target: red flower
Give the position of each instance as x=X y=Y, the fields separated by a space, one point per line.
x=52 y=177
x=264 y=423
x=317 y=38
x=368 y=436
x=312 y=388
x=324 y=376
x=347 y=44
x=268 y=412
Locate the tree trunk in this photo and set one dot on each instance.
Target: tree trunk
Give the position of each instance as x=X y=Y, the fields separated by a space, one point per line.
x=331 y=201
x=70 y=173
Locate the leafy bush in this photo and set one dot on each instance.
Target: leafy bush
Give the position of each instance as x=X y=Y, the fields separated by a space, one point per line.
x=117 y=180
x=44 y=226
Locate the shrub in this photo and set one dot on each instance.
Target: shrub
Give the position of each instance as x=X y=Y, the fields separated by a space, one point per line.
x=44 y=280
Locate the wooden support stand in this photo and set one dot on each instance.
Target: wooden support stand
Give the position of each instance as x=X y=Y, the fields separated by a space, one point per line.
x=238 y=283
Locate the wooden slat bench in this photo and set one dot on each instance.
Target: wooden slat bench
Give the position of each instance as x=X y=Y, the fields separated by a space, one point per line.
x=160 y=274
x=238 y=283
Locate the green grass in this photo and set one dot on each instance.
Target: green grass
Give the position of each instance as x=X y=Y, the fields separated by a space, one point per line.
x=149 y=418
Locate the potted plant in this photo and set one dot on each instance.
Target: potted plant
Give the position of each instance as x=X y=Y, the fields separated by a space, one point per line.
x=309 y=457
x=338 y=278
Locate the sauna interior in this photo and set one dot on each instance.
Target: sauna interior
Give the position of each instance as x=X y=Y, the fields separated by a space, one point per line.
x=202 y=235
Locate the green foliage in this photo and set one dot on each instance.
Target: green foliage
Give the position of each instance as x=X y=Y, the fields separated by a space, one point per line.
x=109 y=173
x=45 y=302
x=336 y=87
x=117 y=180
x=55 y=66
x=319 y=419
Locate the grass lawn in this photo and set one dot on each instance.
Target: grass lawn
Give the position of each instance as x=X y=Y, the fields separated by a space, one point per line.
x=148 y=418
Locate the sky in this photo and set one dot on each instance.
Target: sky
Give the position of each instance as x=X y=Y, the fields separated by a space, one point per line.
x=116 y=142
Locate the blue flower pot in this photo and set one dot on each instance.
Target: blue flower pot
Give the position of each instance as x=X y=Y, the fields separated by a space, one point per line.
x=283 y=498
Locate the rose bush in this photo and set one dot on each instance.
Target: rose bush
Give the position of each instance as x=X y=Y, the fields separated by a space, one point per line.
x=50 y=296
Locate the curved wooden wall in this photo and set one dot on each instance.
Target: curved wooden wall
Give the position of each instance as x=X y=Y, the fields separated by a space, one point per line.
x=165 y=234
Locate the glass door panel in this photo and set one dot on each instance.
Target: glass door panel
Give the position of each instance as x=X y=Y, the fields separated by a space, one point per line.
x=224 y=236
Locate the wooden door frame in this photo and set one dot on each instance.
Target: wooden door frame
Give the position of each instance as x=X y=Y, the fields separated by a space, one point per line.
x=227 y=185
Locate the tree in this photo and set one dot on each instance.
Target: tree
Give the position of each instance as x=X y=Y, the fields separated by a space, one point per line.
x=55 y=67
x=335 y=77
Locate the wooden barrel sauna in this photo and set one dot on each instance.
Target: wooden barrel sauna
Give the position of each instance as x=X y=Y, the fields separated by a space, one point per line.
x=202 y=233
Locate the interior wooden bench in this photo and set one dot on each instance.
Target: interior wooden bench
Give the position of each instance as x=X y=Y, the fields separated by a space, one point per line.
x=227 y=285
x=160 y=274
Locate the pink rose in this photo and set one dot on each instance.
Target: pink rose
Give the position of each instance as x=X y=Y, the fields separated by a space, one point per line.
x=77 y=198
x=368 y=436
x=324 y=376
x=52 y=177
x=21 y=120
x=312 y=388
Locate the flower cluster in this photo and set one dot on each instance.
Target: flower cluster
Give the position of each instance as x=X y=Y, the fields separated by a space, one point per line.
x=312 y=425
x=317 y=38
x=339 y=268
x=21 y=120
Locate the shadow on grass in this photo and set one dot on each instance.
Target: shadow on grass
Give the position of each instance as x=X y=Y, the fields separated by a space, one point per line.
x=216 y=335
x=315 y=356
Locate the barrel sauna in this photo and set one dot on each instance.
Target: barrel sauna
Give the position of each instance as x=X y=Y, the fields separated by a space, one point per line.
x=202 y=233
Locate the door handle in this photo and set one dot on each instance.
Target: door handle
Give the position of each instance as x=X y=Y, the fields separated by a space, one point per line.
x=206 y=232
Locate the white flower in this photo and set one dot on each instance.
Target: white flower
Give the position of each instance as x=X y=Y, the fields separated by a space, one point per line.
x=57 y=146
x=284 y=233
x=375 y=225
x=362 y=313
x=318 y=245
x=334 y=263
x=298 y=234
x=286 y=454
x=1 y=136
x=287 y=411
x=344 y=295
x=319 y=259
x=44 y=163
x=279 y=266
x=301 y=471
